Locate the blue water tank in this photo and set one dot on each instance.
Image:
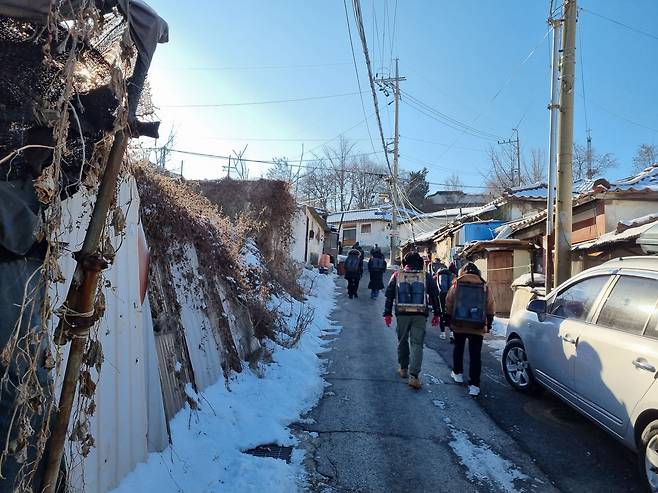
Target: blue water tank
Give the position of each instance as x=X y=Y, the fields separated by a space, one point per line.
x=480 y=231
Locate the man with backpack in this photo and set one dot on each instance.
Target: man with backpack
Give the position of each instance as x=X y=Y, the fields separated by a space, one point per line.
x=470 y=307
x=376 y=269
x=444 y=277
x=353 y=272
x=411 y=290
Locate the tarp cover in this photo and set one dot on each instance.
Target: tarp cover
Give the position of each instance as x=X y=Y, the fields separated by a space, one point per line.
x=147 y=28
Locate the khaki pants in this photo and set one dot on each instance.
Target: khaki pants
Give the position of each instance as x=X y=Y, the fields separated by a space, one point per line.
x=411 y=335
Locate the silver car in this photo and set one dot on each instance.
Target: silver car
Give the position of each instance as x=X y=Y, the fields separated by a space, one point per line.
x=594 y=343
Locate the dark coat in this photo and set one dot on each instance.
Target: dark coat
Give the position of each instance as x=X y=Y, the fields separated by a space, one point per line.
x=376 y=276
x=359 y=273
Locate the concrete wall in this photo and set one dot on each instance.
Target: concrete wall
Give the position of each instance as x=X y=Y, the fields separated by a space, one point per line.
x=302 y=241
x=379 y=234
x=623 y=210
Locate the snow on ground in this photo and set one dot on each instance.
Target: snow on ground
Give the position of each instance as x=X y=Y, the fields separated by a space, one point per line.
x=496 y=339
x=483 y=464
x=206 y=453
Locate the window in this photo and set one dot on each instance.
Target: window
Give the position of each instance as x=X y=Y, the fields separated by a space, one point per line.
x=366 y=228
x=630 y=304
x=576 y=301
x=349 y=234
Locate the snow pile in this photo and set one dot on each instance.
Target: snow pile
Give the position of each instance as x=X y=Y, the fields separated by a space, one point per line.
x=498 y=336
x=208 y=443
x=483 y=464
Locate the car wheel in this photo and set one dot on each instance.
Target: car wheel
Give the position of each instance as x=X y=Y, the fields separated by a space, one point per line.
x=516 y=368
x=648 y=456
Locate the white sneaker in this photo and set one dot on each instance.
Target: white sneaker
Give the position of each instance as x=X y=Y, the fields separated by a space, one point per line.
x=443 y=336
x=457 y=377
x=473 y=390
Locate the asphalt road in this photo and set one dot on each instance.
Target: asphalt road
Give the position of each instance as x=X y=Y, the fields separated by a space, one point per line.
x=573 y=452
x=372 y=433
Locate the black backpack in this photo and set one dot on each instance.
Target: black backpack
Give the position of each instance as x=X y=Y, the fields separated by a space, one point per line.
x=377 y=263
x=352 y=263
x=470 y=305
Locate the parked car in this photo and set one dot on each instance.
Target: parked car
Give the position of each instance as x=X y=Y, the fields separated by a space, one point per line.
x=594 y=343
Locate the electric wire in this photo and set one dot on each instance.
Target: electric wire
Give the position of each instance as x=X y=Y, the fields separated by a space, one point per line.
x=362 y=33
x=614 y=21
x=356 y=71
x=252 y=103
x=507 y=82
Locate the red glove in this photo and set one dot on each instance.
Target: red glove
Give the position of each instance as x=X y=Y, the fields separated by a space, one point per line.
x=388 y=320
x=435 y=320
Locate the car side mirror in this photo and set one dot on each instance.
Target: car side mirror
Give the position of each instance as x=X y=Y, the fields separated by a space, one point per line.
x=538 y=306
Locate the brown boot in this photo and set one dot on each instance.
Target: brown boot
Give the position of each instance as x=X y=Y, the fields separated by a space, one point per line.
x=403 y=372
x=414 y=382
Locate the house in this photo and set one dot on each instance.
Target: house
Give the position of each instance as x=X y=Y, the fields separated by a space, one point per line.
x=413 y=228
x=513 y=205
x=501 y=261
x=597 y=211
x=454 y=199
x=312 y=236
x=369 y=227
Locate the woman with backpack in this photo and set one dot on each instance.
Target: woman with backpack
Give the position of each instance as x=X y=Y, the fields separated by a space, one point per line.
x=470 y=308
x=376 y=269
x=353 y=272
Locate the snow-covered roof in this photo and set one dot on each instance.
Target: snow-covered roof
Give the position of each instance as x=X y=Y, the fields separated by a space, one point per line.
x=643 y=181
x=446 y=213
x=540 y=190
x=381 y=213
x=626 y=231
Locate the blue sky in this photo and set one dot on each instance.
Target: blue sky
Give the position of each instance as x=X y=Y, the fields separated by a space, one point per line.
x=466 y=59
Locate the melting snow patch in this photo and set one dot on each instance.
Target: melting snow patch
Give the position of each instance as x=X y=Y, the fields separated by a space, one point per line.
x=498 y=345
x=433 y=379
x=439 y=404
x=483 y=464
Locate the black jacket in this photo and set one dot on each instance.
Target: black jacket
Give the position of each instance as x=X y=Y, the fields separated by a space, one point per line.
x=430 y=289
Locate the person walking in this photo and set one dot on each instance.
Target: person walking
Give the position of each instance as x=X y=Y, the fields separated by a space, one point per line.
x=444 y=278
x=470 y=307
x=353 y=272
x=411 y=290
x=376 y=269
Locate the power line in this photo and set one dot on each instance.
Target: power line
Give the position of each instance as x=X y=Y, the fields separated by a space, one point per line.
x=451 y=122
x=614 y=21
x=443 y=144
x=507 y=82
x=621 y=117
x=261 y=161
x=395 y=17
x=257 y=67
x=356 y=71
x=362 y=34
x=251 y=103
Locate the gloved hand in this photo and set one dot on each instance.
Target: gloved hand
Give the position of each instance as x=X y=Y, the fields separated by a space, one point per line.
x=388 y=320
x=435 y=320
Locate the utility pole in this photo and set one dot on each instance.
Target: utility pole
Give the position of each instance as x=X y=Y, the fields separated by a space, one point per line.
x=590 y=172
x=553 y=107
x=516 y=172
x=394 y=82
x=564 y=204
